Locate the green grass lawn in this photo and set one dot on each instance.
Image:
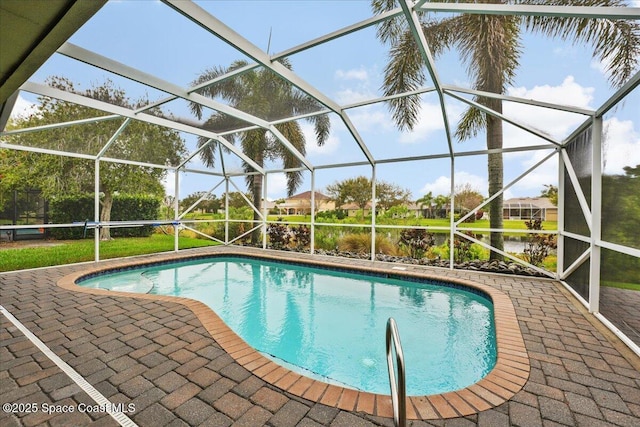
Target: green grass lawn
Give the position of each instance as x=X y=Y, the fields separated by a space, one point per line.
x=83 y=250
x=622 y=285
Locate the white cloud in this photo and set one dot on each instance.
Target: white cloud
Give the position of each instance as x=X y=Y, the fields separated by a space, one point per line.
x=557 y=124
x=621 y=145
x=442 y=185
x=371 y=117
x=360 y=74
x=534 y=182
x=276 y=186
x=600 y=66
x=350 y=96
x=354 y=85
x=430 y=121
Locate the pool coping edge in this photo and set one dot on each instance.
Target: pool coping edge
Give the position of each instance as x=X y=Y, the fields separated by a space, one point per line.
x=507 y=378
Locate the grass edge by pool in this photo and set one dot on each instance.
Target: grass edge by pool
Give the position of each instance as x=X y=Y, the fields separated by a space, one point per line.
x=505 y=380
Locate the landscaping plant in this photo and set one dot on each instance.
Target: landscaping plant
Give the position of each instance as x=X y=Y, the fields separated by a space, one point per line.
x=417 y=241
x=539 y=245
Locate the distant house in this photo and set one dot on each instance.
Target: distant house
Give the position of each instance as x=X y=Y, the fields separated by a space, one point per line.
x=413 y=210
x=530 y=208
x=300 y=204
x=353 y=210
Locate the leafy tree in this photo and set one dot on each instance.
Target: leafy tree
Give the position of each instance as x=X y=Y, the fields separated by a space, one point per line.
x=358 y=191
x=236 y=200
x=60 y=175
x=490 y=47
x=263 y=94
x=15 y=174
x=467 y=198
x=352 y=190
x=551 y=192
x=211 y=203
x=389 y=195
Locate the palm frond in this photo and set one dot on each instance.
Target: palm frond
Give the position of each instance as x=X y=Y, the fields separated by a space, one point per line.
x=404 y=73
x=615 y=42
x=473 y=121
x=490 y=46
x=322 y=126
x=293 y=133
x=208 y=154
x=405 y=70
x=230 y=88
x=389 y=30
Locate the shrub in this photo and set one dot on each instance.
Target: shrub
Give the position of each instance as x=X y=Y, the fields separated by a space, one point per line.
x=70 y=209
x=128 y=207
x=417 y=241
x=328 y=216
x=279 y=235
x=325 y=239
x=539 y=245
x=361 y=243
x=462 y=248
x=301 y=236
x=80 y=208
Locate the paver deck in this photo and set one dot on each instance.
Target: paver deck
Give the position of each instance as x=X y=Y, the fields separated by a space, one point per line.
x=158 y=355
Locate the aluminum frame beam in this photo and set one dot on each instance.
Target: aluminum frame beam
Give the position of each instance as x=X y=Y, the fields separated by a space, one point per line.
x=418 y=35
x=99 y=61
x=218 y=28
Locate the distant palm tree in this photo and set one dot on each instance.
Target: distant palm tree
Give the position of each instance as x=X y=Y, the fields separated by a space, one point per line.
x=490 y=46
x=262 y=94
x=426 y=201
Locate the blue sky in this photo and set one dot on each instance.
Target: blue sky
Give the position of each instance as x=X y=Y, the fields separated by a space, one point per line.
x=149 y=36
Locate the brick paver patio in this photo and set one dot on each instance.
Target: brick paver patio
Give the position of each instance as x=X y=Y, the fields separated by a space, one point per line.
x=158 y=356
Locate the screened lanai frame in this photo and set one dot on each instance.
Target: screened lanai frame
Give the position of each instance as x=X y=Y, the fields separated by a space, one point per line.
x=226 y=178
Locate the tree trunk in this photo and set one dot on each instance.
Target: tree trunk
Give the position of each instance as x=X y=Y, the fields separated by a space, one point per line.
x=257 y=199
x=105 y=215
x=495 y=166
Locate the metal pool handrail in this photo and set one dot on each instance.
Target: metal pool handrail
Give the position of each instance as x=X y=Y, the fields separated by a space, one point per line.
x=398 y=388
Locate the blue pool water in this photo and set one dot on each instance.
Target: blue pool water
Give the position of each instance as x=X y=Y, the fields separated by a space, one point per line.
x=331 y=324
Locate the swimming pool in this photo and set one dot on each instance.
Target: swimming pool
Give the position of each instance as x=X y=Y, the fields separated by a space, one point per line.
x=330 y=324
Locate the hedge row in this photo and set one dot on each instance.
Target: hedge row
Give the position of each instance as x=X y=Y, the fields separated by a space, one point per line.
x=80 y=208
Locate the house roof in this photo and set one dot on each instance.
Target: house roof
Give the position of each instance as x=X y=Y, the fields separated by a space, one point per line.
x=353 y=206
x=529 y=202
x=307 y=196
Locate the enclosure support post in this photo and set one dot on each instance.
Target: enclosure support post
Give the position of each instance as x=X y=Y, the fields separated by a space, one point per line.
x=96 y=211
x=313 y=212
x=452 y=222
x=264 y=211
x=596 y=213
x=373 y=212
x=561 y=195
x=176 y=210
x=226 y=210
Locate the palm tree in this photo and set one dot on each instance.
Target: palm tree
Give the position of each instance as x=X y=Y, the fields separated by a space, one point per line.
x=490 y=46
x=426 y=201
x=262 y=94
